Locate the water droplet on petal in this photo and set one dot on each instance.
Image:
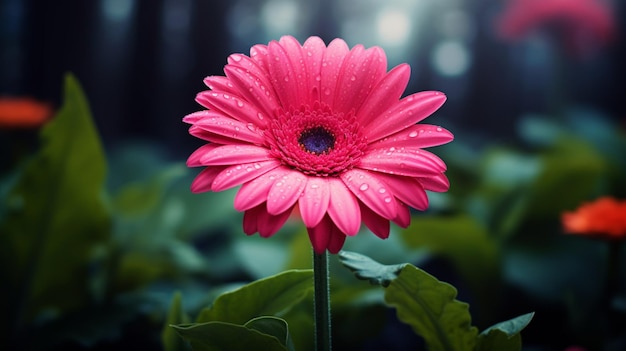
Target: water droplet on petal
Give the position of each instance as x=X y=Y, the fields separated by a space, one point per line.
x=236 y=58
x=387 y=199
x=382 y=190
x=239 y=103
x=413 y=134
x=327 y=91
x=439 y=129
x=364 y=187
x=314 y=186
x=353 y=78
x=260 y=115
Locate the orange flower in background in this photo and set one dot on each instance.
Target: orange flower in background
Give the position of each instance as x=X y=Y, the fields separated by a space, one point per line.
x=578 y=24
x=605 y=217
x=23 y=113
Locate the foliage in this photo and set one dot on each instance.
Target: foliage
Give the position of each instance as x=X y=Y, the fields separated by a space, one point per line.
x=103 y=246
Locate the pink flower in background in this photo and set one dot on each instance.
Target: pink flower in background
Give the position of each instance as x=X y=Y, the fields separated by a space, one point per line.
x=320 y=127
x=578 y=24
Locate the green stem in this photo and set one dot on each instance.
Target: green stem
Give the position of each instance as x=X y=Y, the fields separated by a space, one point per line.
x=321 y=302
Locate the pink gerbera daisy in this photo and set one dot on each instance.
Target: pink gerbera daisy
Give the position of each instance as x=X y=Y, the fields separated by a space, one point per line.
x=320 y=127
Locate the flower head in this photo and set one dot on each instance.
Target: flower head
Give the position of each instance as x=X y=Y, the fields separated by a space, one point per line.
x=320 y=127
x=579 y=24
x=23 y=113
x=604 y=217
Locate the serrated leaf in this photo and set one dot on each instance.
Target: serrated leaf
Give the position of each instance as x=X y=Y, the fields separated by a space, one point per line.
x=170 y=339
x=221 y=336
x=366 y=268
x=431 y=309
x=269 y=296
x=504 y=335
x=274 y=326
x=56 y=215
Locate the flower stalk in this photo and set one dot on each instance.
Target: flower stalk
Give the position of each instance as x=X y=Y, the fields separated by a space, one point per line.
x=321 y=301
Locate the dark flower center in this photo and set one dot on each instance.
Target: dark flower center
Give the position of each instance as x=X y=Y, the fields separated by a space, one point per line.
x=317 y=140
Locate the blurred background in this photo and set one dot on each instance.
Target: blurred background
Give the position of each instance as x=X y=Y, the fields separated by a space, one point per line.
x=141 y=63
x=535 y=100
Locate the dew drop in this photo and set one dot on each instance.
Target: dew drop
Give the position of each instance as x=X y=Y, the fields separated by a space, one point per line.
x=236 y=58
x=382 y=190
x=387 y=199
x=327 y=91
x=251 y=127
x=257 y=166
x=226 y=96
x=239 y=103
x=314 y=186
x=439 y=129
x=318 y=78
x=260 y=115
x=364 y=187
x=353 y=78
x=286 y=79
x=413 y=134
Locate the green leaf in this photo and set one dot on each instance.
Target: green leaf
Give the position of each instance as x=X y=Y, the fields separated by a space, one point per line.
x=464 y=242
x=176 y=315
x=366 y=268
x=504 y=335
x=274 y=326
x=269 y=296
x=430 y=308
x=221 y=336
x=56 y=215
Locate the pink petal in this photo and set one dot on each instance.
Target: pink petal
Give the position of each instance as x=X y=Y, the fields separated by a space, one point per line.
x=204 y=180
x=256 y=90
x=437 y=183
x=401 y=162
x=337 y=239
x=314 y=201
x=227 y=127
x=259 y=54
x=371 y=191
x=313 y=49
x=377 y=224
x=200 y=133
x=297 y=57
x=285 y=192
x=235 y=154
x=403 y=219
x=255 y=192
x=319 y=235
x=194 y=159
x=343 y=207
x=239 y=174
x=220 y=83
x=195 y=116
x=269 y=224
x=257 y=219
x=325 y=236
x=283 y=76
x=386 y=93
x=230 y=105
x=408 y=190
x=361 y=71
x=416 y=136
x=409 y=111
x=331 y=66
x=250 y=219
